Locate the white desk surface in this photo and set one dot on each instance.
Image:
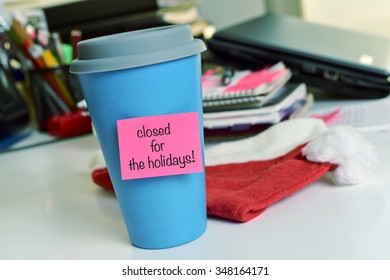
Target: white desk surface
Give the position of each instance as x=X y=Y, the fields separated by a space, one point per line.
x=51 y=209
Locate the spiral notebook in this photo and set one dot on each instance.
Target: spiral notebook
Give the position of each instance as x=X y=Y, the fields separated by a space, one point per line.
x=289 y=99
x=248 y=88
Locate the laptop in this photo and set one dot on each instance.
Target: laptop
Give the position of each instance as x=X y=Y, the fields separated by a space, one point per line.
x=337 y=60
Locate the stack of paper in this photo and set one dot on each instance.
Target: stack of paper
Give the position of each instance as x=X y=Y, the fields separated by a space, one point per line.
x=365 y=116
x=253 y=99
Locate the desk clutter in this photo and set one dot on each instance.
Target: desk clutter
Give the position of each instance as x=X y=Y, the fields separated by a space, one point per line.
x=37 y=46
x=281 y=153
x=245 y=102
x=285 y=153
x=38 y=90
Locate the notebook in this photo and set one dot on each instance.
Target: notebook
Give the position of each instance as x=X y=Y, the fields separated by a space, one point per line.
x=341 y=61
x=254 y=119
x=284 y=98
x=247 y=88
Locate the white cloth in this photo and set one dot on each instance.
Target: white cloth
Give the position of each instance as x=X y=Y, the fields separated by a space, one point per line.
x=276 y=141
x=345 y=146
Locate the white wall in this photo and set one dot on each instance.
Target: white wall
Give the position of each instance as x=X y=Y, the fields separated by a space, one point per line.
x=372 y=16
x=223 y=13
x=10 y=5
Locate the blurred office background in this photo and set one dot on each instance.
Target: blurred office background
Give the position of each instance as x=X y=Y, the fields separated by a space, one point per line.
x=365 y=16
x=362 y=15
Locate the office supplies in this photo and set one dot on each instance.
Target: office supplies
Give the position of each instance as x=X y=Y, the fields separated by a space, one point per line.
x=253 y=101
x=57 y=48
x=46 y=100
x=284 y=99
x=75 y=38
x=210 y=80
x=50 y=86
x=321 y=56
x=42 y=59
x=212 y=84
x=68 y=53
x=246 y=90
x=43 y=103
x=250 y=120
x=243 y=83
x=59 y=78
x=259 y=82
x=14 y=114
x=227 y=75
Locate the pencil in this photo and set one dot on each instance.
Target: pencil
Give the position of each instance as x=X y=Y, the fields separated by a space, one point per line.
x=51 y=62
x=42 y=59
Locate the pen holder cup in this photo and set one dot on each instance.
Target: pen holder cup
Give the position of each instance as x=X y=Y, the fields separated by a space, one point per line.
x=54 y=92
x=143 y=91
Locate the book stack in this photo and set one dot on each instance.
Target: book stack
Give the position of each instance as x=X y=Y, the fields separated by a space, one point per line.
x=185 y=12
x=247 y=102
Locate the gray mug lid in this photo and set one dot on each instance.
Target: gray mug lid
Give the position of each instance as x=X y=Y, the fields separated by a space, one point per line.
x=135 y=48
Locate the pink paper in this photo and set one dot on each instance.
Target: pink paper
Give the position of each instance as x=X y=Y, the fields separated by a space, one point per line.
x=159 y=145
x=255 y=79
x=330 y=118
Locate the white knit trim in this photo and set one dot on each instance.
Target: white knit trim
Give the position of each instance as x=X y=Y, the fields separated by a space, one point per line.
x=276 y=141
x=345 y=146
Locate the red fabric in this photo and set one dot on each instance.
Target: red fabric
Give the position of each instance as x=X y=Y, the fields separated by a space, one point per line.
x=101 y=178
x=69 y=124
x=242 y=191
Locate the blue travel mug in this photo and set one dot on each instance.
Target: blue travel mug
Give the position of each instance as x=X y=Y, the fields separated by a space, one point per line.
x=148 y=79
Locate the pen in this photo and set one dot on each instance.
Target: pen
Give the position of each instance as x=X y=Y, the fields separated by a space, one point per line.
x=227 y=75
x=52 y=63
x=42 y=59
x=75 y=37
x=55 y=43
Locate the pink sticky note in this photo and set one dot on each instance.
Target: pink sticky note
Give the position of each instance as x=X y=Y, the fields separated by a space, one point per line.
x=159 y=145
